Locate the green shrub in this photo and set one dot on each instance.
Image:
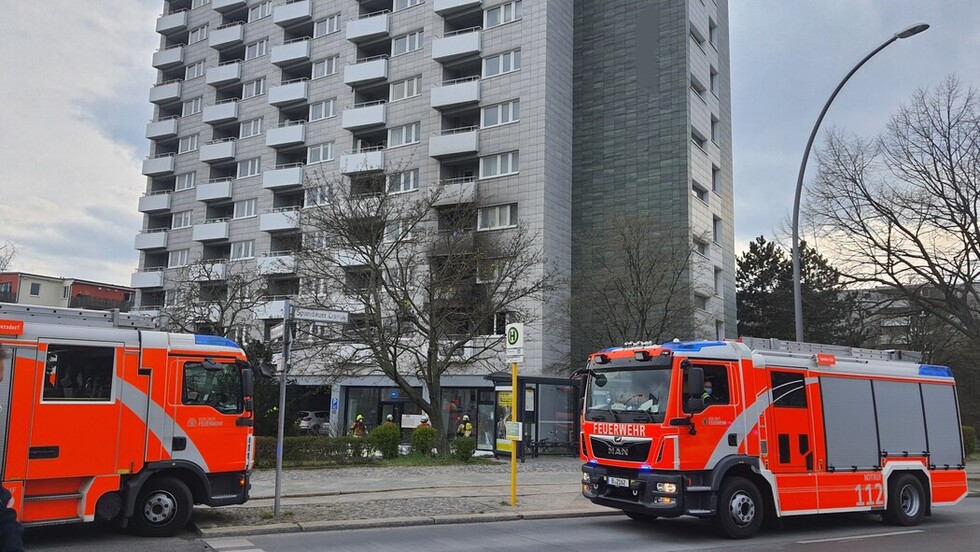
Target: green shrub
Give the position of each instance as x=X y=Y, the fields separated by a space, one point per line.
x=312 y=450
x=969 y=439
x=386 y=438
x=463 y=448
x=423 y=439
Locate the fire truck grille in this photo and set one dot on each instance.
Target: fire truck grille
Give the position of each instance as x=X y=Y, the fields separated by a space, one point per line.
x=628 y=449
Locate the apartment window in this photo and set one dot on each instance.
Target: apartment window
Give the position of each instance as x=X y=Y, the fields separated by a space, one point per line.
x=404 y=135
x=714 y=81
x=699 y=192
x=403 y=181
x=187 y=143
x=319 y=195
x=64 y=292
x=715 y=179
x=258 y=12
x=194 y=70
x=715 y=129
x=181 y=219
x=253 y=88
x=250 y=128
x=256 y=49
x=319 y=153
x=178 y=258
x=701 y=247
x=405 y=89
x=322 y=110
x=698 y=88
x=712 y=32
x=249 y=167
x=499 y=216
x=185 y=181
x=501 y=114
x=191 y=107
x=719 y=330
x=716 y=230
x=504 y=13
x=245 y=208
x=406 y=43
x=326 y=26
x=500 y=164
x=35 y=289
x=241 y=250
x=404 y=4
x=325 y=67
x=197 y=35
x=199 y=3
x=698 y=140
x=397 y=230
x=502 y=63
x=700 y=302
x=719 y=282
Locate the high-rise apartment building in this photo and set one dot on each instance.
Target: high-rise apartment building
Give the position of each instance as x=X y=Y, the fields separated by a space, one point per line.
x=502 y=97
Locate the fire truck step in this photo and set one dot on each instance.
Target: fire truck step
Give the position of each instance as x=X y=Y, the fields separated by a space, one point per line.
x=47 y=522
x=698 y=489
x=41 y=498
x=699 y=512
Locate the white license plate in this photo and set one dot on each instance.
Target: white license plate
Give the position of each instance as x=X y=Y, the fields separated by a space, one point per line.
x=618 y=481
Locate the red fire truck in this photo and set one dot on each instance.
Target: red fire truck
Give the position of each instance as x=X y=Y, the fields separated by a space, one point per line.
x=786 y=429
x=105 y=418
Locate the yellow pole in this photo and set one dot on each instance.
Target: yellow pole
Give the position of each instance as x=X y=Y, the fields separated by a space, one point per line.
x=513 y=443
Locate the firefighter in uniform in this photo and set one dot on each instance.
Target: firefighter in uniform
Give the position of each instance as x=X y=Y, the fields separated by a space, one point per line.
x=358 y=428
x=465 y=428
x=708 y=396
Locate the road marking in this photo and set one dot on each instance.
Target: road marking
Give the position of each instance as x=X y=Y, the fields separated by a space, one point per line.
x=232 y=544
x=856 y=537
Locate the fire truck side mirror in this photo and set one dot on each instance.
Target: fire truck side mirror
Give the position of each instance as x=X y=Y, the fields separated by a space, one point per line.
x=695 y=384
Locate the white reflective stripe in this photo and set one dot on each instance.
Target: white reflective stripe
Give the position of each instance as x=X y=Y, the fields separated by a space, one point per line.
x=158 y=422
x=742 y=424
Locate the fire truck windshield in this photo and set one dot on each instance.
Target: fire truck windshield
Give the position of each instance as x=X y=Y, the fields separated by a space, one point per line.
x=215 y=384
x=628 y=394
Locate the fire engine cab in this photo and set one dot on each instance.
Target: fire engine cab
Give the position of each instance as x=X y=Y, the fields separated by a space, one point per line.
x=105 y=418
x=761 y=428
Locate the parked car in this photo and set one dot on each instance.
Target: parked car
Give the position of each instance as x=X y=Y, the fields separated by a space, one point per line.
x=313 y=420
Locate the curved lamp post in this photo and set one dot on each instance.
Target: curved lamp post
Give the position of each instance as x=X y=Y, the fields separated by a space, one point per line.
x=911 y=30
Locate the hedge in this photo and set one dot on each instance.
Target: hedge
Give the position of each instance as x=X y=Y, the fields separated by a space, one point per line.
x=969 y=439
x=313 y=450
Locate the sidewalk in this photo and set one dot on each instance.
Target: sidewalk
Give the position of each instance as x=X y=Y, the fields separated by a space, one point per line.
x=362 y=497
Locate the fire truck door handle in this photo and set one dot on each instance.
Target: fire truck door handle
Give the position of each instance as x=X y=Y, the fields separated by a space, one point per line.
x=733 y=439
x=41 y=453
x=179 y=443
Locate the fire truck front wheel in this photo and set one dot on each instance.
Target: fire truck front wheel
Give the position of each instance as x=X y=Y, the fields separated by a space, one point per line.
x=163 y=507
x=740 y=508
x=906 y=500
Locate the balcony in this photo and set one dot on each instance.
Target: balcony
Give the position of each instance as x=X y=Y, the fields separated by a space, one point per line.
x=366 y=27
x=221 y=112
x=165 y=92
x=291 y=52
x=172 y=22
x=366 y=70
x=457 y=44
x=218 y=150
x=455 y=92
x=282 y=219
x=277 y=262
x=161 y=164
x=455 y=191
x=456 y=141
x=207 y=271
x=217 y=189
x=227 y=5
x=364 y=115
x=225 y=36
x=171 y=57
x=211 y=230
x=283 y=177
x=228 y=72
x=154 y=202
x=286 y=134
x=153 y=239
x=365 y=160
x=295 y=12
x=149 y=278
x=289 y=92
x=443 y=7
x=161 y=129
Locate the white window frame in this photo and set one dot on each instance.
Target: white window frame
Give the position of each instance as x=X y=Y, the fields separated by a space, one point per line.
x=188 y=144
x=194 y=70
x=197 y=34
x=242 y=250
x=716 y=230
x=191 y=106
x=245 y=208
x=399 y=5
x=715 y=129
x=35 y=290
x=327 y=109
x=719 y=281
x=412 y=41
x=315 y=196
x=252 y=167
x=185 y=181
x=178 y=258
x=406 y=181
x=256 y=49
x=505 y=13
x=199 y=3
x=505 y=62
x=404 y=89
x=249 y=128
x=715 y=179
x=181 y=219
x=495 y=162
x=326 y=26
x=253 y=88
x=497 y=217
x=397 y=230
x=319 y=153
x=259 y=11
x=505 y=113
x=325 y=67
x=699 y=191
x=404 y=135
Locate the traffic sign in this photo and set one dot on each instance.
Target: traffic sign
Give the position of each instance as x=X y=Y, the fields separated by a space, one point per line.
x=276 y=331
x=320 y=315
x=515 y=336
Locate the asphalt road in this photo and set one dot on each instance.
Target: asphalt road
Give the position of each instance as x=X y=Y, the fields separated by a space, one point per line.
x=949 y=530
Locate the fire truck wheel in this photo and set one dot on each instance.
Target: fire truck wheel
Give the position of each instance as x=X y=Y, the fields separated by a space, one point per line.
x=740 y=508
x=906 y=500
x=637 y=516
x=163 y=508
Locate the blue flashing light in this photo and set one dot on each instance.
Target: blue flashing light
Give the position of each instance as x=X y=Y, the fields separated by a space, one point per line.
x=215 y=340
x=593 y=461
x=609 y=349
x=645 y=467
x=692 y=345
x=935 y=371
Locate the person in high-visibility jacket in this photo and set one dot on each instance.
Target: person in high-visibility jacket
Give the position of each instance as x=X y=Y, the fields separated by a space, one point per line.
x=358 y=428
x=465 y=428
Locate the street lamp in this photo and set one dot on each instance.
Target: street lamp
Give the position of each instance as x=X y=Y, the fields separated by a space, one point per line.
x=911 y=30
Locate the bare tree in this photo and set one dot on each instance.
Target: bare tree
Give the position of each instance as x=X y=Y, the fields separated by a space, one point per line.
x=7 y=253
x=428 y=292
x=900 y=210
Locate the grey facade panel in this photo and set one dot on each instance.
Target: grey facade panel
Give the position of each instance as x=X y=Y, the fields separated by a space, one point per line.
x=849 y=423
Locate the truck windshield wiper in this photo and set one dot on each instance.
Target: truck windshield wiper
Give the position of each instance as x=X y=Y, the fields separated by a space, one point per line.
x=607 y=409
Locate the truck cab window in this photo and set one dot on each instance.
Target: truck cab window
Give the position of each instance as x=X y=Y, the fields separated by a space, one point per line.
x=78 y=373
x=219 y=386
x=716 y=386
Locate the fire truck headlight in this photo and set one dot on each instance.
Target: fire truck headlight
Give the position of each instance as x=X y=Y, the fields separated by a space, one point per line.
x=586 y=478
x=670 y=488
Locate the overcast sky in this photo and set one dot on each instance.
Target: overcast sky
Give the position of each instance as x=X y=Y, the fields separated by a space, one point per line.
x=73 y=110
